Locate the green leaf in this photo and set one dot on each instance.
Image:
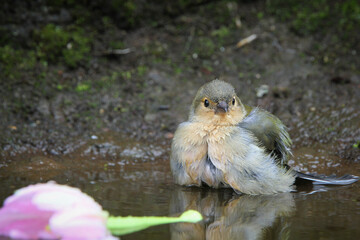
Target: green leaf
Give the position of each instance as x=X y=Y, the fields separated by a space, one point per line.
x=82 y=87
x=125 y=225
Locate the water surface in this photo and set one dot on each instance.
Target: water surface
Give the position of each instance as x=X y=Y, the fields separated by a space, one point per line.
x=133 y=178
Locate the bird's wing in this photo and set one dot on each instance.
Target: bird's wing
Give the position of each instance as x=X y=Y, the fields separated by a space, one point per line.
x=270 y=132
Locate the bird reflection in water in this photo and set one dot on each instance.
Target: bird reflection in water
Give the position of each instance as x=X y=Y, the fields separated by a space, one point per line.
x=231 y=216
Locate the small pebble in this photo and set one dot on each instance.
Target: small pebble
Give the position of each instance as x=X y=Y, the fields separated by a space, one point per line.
x=169 y=135
x=262 y=91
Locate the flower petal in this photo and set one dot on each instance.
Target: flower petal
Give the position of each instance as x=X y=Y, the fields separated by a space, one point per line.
x=80 y=223
x=25 y=225
x=52 y=211
x=29 y=191
x=63 y=197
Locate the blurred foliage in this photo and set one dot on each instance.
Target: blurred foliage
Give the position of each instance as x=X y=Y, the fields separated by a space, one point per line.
x=82 y=87
x=127 y=13
x=205 y=47
x=221 y=33
x=53 y=43
x=12 y=61
x=50 y=41
x=69 y=42
x=308 y=17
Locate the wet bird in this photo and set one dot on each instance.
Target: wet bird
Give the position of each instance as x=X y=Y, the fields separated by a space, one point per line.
x=225 y=144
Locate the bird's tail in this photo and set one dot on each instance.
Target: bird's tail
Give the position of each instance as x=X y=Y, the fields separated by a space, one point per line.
x=325 y=180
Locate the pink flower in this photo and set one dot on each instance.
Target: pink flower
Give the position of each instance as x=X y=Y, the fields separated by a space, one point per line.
x=52 y=211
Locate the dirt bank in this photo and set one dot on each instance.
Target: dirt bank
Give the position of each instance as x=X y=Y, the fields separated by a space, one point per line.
x=55 y=106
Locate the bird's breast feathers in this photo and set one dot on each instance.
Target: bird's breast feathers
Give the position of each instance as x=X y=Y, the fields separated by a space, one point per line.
x=234 y=158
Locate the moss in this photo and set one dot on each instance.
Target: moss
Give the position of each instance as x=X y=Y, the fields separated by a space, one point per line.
x=117 y=44
x=156 y=49
x=60 y=87
x=107 y=81
x=126 y=75
x=14 y=60
x=178 y=70
x=333 y=24
x=221 y=33
x=77 y=49
x=50 y=41
x=141 y=70
x=54 y=43
x=82 y=87
x=307 y=17
x=205 y=47
x=260 y=15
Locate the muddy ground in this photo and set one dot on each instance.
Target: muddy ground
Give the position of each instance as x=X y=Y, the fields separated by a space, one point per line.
x=143 y=93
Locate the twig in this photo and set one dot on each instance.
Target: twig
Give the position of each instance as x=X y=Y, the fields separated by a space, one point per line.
x=247 y=40
x=118 y=51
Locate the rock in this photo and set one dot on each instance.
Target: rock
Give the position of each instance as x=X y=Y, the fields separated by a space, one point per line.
x=262 y=91
x=43 y=107
x=150 y=117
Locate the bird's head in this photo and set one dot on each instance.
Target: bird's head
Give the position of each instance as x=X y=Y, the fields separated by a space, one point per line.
x=216 y=103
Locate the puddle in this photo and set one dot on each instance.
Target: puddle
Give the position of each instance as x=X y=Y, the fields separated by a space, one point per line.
x=133 y=178
x=318 y=159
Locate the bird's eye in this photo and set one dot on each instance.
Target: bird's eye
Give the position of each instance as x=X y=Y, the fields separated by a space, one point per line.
x=233 y=101
x=206 y=103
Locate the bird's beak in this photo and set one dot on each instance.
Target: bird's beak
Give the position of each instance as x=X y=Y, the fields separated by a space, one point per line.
x=222 y=107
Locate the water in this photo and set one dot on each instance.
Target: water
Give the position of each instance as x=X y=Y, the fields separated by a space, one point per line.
x=132 y=178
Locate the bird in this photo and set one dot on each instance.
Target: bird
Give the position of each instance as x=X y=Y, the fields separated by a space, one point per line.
x=226 y=144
